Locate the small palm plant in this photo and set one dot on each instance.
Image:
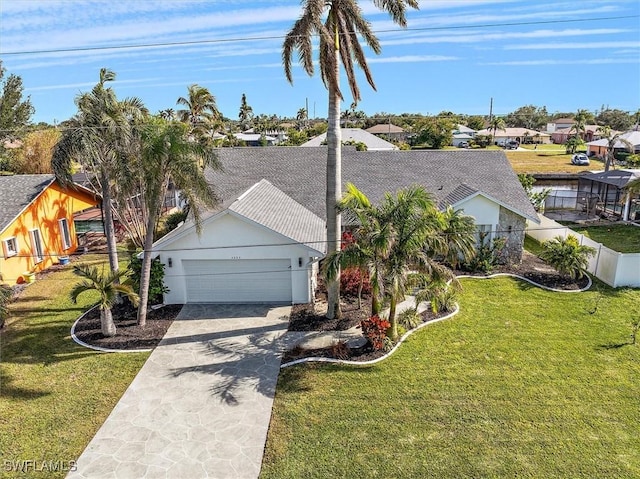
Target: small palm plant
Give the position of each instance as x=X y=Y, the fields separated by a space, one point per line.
x=567 y=256
x=108 y=287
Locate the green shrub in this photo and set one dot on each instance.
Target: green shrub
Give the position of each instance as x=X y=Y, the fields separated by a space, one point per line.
x=409 y=318
x=445 y=301
x=172 y=221
x=487 y=255
x=567 y=255
x=156 y=281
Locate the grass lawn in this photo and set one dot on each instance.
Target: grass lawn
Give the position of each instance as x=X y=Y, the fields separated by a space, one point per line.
x=547 y=161
x=541 y=384
x=622 y=238
x=54 y=394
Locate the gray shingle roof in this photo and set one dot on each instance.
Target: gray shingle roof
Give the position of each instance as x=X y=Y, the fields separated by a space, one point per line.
x=267 y=205
x=17 y=192
x=461 y=193
x=300 y=173
x=355 y=134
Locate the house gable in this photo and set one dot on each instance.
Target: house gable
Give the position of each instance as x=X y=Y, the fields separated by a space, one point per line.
x=41 y=226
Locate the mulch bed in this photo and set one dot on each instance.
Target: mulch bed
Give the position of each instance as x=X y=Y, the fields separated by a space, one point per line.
x=304 y=317
x=128 y=334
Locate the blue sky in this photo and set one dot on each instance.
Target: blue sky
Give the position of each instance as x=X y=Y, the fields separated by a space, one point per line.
x=456 y=54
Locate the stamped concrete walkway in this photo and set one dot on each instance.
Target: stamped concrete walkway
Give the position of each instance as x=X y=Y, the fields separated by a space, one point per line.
x=200 y=406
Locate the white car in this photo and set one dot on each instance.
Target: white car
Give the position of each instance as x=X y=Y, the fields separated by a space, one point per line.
x=580 y=159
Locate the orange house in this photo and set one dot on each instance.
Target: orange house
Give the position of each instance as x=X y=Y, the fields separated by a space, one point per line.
x=36 y=223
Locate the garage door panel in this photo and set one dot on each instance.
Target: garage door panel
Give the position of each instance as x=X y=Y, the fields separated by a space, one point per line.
x=238 y=281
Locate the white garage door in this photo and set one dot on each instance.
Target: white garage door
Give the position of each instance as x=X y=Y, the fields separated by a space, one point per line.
x=238 y=281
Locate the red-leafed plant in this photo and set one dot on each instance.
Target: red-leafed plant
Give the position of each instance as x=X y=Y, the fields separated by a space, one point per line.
x=353 y=281
x=375 y=330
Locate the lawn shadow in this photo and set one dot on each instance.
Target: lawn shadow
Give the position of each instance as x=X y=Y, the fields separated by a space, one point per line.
x=613 y=345
x=40 y=344
x=8 y=391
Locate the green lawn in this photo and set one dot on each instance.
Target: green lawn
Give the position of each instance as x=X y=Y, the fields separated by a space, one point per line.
x=547 y=161
x=521 y=383
x=623 y=238
x=54 y=394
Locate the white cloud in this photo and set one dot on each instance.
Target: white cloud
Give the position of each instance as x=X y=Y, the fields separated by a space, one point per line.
x=574 y=45
x=411 y=59
x=551 y=62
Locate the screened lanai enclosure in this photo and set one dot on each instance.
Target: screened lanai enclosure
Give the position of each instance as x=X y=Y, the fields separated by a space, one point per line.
x=598 y=195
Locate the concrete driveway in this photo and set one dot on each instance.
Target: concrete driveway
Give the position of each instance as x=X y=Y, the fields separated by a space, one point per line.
x=201 y=404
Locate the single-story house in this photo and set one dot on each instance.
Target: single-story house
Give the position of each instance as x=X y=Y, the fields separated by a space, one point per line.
x=521 y=135
x=464 y=130
x=388 y=131
x=256 y=139
x=263 y=248
x=599 y=147
x=36 y=223
x=357 y=135
x=263 y=242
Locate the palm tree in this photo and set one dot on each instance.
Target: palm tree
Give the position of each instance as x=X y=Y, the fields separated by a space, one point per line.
x=301 y=118
x=245 y=115
x=99 y=137
x=108 y=287
x=580 y=123
x=403 y=235
x=612 y=140
x=567 y=255
x=201 y=112
x=337 y=24
x=496 y=123
x=167 y=154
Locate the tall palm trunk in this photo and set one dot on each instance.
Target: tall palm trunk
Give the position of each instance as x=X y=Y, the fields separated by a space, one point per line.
x=334 y=186
x=392 y=332
x=145 y=273
x=107 y=326
x=109 y=229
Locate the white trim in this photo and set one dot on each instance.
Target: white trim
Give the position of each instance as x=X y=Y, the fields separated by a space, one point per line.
x=9 y=252
x=491 y=198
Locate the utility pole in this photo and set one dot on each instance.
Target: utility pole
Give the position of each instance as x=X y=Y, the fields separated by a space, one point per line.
x=491 y=110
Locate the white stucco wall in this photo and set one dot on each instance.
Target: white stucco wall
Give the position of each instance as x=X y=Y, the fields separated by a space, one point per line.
x=229 y=237
x=483 y=210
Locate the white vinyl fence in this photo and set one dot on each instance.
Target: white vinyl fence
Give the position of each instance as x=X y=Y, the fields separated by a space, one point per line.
x=615 y=269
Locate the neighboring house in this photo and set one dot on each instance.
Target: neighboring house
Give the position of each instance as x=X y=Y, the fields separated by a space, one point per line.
x=459 y=138
x=599 y=147
x=357 y=135
x=388 y=131
x=256 y=139
x=36 y=223
x=464 y=130
x=263 y=242
x=516 y=134
x=590 y=133
x=559 y=124
x=263 y=248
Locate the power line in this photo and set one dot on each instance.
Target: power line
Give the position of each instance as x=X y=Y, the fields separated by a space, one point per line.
x=279 y=37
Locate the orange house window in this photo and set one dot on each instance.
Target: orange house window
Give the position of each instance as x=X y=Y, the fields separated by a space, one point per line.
x=36 y=245
x=64 y=232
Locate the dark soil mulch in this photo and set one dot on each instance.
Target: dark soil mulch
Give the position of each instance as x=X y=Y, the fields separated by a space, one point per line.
x=128 y=334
